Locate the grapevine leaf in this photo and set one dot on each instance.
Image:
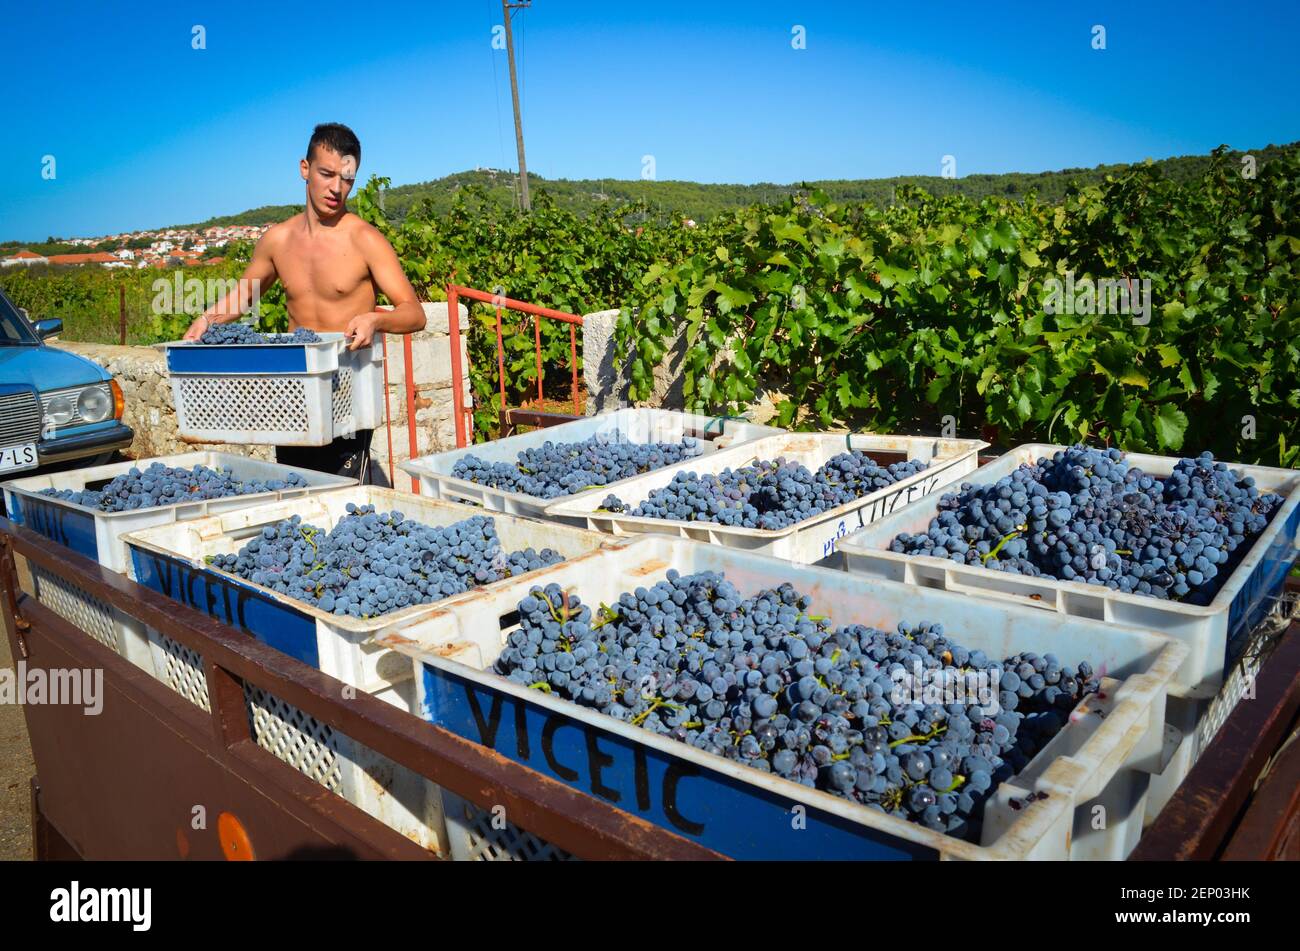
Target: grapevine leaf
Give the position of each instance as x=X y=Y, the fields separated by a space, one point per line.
x=1171 y=425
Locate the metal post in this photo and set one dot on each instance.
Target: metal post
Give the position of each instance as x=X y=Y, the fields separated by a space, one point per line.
x=573 y=364
x=537 y=337
x=501 y=362
x=411 y=434
x=453 y=334
x=506 y=7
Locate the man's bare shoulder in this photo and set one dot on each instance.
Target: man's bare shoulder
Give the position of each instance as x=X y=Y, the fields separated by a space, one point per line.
x=279 y=232
x=363 y=234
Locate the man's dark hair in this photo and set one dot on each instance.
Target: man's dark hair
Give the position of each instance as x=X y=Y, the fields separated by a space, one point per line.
x=337 y=138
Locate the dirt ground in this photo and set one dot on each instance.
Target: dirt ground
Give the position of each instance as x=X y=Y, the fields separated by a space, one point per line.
x=16 y=771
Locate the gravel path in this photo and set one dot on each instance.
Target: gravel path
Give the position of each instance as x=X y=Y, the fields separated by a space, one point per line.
x=16 y=771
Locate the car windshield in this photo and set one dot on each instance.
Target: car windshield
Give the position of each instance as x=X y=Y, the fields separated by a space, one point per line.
x=15 y=331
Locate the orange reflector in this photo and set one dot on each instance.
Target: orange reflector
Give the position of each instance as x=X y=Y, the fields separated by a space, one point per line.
x=119 y=401
x=235 y=845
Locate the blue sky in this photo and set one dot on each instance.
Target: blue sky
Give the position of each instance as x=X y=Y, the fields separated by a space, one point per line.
x=147 y=131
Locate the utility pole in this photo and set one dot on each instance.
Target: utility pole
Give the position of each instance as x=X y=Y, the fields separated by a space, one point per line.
x=506 y=7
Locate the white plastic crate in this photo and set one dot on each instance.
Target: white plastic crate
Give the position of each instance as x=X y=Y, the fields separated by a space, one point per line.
x=287 y=394
x=1098 y=766
x=119 y=632
x=808 y=541
x=98 y=535
x=1209 y=630
x=171 y=559
x=357 y=397
x=620 y=426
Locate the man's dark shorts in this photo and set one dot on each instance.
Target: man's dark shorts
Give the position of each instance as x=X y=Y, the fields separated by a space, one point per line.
x=347 y=456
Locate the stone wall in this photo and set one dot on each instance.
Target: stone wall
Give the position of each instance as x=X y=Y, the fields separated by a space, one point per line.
x=431 y=361
x=605 y=373
x=150 y=412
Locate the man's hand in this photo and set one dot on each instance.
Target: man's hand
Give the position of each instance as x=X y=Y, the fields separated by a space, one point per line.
x=197 y=329
x=361 y=329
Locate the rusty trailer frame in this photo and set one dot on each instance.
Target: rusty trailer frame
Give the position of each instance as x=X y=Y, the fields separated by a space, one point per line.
x=153 y=776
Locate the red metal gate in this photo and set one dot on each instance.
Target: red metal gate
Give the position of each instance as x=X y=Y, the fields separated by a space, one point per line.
x=465 y=414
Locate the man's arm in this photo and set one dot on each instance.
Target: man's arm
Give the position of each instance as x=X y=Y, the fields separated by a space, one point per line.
x=407 y=316
x=259 y=275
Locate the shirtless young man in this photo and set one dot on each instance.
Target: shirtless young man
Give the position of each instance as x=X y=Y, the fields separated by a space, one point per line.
x=331 y=264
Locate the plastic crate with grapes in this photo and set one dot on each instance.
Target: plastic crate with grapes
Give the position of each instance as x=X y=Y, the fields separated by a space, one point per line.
x=302 y=389
x=1195 y=548
x=793 y=496
x=524 y=474
x=757 y=706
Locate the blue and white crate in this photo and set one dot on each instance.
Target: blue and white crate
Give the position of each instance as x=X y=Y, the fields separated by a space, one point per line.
x=98 y=534
x=283 y=394
x=172 y=560
x=1099 y=764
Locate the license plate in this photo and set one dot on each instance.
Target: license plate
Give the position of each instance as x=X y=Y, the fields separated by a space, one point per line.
x=18 y=457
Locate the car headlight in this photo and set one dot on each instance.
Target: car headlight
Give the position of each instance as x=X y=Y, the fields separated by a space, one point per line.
x=77 y=406
x=59 y=410
x=95 y=404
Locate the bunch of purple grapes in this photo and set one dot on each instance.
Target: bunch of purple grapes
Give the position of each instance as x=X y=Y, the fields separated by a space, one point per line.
x=1087 y=515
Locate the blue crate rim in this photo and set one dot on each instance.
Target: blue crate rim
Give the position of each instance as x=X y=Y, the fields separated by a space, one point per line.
x=329 y=338
x=360 y=627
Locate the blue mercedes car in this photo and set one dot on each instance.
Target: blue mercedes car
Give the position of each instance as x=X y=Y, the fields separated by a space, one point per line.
x=55 y=407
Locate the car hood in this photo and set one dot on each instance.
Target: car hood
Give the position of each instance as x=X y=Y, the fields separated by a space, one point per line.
x=47 y=368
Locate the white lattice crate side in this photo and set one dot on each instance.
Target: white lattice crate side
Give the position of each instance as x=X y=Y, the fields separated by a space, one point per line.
x=1192 y=724
x=403 y=800
x=1239 y=684
x=344 y=421
x=479 y=835
x=180 y=668
x=119 y=632
x=295 y=737
x=365 y=368
x=256 y=409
